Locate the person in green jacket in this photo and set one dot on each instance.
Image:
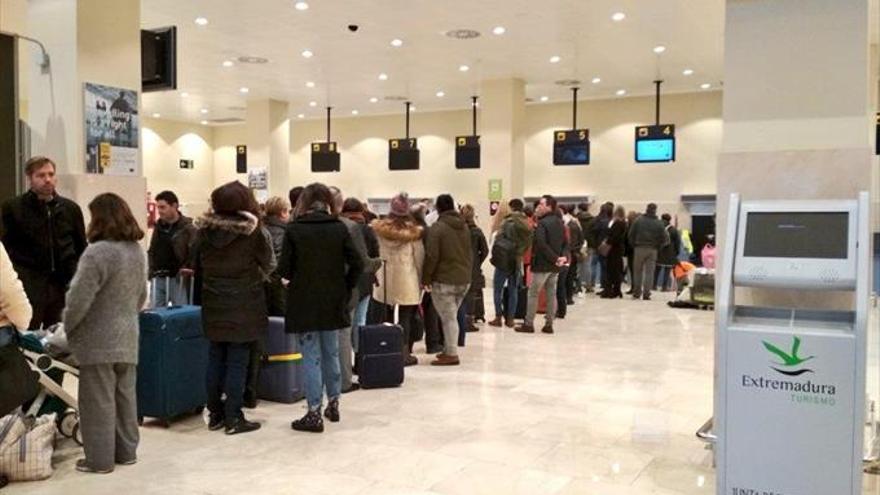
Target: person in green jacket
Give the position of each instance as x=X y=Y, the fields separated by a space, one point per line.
x=516 y=236
x=447 y=272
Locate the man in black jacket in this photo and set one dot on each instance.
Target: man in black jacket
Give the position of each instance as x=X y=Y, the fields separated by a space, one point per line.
x=44 y=234
x=548 y=255
x=170 y=251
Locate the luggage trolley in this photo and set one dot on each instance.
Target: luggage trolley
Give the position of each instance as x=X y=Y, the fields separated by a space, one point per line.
x=790 y=378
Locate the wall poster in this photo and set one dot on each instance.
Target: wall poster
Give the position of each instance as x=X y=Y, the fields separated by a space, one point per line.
x=111 y=130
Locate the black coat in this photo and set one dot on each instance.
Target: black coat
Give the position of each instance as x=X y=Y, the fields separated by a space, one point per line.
x=550 y=244
x=43 y=238
x=668 y=255
x=233 y=257
x=320 y=260
x=481 y=251
x=617 y=238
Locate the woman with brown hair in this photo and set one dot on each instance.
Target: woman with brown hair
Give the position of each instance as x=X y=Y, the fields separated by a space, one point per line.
x=233 y=258
x=323 y=265
x=101 y=322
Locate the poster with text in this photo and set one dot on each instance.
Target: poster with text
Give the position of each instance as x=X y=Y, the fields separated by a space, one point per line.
x=111 y=129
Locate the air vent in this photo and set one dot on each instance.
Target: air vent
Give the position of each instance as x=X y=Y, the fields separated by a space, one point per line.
x=568 y=82
x=395 y=98
x=228 y=120
x=252 y=60
x=237 y=109
x=463 y=34
x=530 y=100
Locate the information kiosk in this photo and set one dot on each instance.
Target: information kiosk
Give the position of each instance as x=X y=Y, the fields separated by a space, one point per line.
x=790 y=384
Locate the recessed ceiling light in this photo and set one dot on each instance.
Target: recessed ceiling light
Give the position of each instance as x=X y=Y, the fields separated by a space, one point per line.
x=621 y=92
x=412 y=108
x=228 y=63
x=313 y=103
x=310 y=84
x=301 y=116
x=374 y=99
x=244 y=90
x=354 y=112
x=383 y=77
x=440 y=94
x=464 y=68
x=659 y=49
x=705 y=86
x=499 y=30
x=184 y=94
x=204 y=110
x=301 y=6
x=597 y=80
x=156 y=115
x=555 y=59
x=688 y=72
x=201 y=21
x=545 y=98
x=307 y=53
x=618 y=16
x=397 y=42
x=204 y=122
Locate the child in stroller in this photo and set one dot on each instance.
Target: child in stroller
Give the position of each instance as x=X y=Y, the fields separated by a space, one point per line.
x=49 y=356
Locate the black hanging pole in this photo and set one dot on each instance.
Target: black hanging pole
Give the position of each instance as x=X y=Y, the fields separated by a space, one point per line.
x=574 y=108
x=474 y=112
x=408 y=104
x=328 y=123
x=657 y=83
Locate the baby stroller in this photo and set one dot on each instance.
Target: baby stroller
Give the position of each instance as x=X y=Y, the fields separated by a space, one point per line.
x=48 y=355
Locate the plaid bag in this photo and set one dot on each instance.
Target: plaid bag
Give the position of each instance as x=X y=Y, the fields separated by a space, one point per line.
x=28 y=457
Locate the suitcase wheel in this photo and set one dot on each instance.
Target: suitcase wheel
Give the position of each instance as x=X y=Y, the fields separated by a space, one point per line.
x=140 y=421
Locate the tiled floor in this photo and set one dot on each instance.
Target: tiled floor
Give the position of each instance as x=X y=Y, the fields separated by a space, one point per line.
x=607 y=406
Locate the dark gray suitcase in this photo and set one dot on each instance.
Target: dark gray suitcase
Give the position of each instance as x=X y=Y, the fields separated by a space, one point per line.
x=380 y=358
x=281 y=373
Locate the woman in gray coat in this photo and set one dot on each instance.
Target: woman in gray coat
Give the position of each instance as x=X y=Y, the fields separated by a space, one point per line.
x=101 y=321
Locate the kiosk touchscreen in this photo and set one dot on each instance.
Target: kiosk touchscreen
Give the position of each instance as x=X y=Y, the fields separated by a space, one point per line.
x=789 y=396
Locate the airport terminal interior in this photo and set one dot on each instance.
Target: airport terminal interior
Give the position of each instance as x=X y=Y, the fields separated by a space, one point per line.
x=410 y=247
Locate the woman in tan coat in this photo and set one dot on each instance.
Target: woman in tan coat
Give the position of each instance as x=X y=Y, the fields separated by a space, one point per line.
x=400 y=246
x=15 y=310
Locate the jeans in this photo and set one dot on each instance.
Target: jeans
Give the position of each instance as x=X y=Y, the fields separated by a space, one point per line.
x=320 y=352
x=499 y=280
x=596 y=265
x=585 y=271
x=547 y=281
x=358 y=320
x=644 y=261
x=227 y=373
x=664 y=274
x=447 y=301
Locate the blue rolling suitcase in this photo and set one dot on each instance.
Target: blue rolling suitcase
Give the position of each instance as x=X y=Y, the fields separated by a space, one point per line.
x=173 y=363
x=380 y=356
x=281 y=373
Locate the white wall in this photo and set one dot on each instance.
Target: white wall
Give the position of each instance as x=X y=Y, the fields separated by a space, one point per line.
x=613 y=174
x=165 y=143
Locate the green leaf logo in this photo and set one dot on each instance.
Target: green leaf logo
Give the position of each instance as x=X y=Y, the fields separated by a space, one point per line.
x=789 y=359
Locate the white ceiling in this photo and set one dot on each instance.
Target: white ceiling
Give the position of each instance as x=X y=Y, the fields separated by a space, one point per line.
x=345 y=66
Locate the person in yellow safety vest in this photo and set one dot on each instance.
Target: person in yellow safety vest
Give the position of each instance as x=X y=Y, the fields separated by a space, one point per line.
x=687 y=246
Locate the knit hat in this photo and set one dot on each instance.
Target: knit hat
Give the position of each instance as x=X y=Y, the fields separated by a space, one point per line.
x=400 y=205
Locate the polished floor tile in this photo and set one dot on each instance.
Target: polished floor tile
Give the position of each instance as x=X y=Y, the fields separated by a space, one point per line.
x=607 y=406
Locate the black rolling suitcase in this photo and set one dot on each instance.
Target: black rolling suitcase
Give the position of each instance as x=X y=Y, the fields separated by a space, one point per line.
x=281 y=373
x=478 y=311
x=380 y=357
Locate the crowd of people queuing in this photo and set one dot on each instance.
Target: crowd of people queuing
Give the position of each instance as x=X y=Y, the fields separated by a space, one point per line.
x=323 y=262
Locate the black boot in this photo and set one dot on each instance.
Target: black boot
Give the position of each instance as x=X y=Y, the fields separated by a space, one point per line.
x=332 y=412
x=311 y=422
x=241 y=425
x=216 y=421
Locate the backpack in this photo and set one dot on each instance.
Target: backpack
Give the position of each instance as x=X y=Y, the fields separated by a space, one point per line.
x=503 y=254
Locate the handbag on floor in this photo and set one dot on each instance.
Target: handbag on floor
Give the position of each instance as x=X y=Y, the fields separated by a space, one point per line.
x=29 y=457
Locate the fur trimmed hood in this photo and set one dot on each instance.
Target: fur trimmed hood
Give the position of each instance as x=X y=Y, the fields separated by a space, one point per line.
x=220 y=230
x=386 y=229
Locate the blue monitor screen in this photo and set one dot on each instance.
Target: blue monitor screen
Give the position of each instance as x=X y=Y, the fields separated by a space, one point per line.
x=655 y=150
